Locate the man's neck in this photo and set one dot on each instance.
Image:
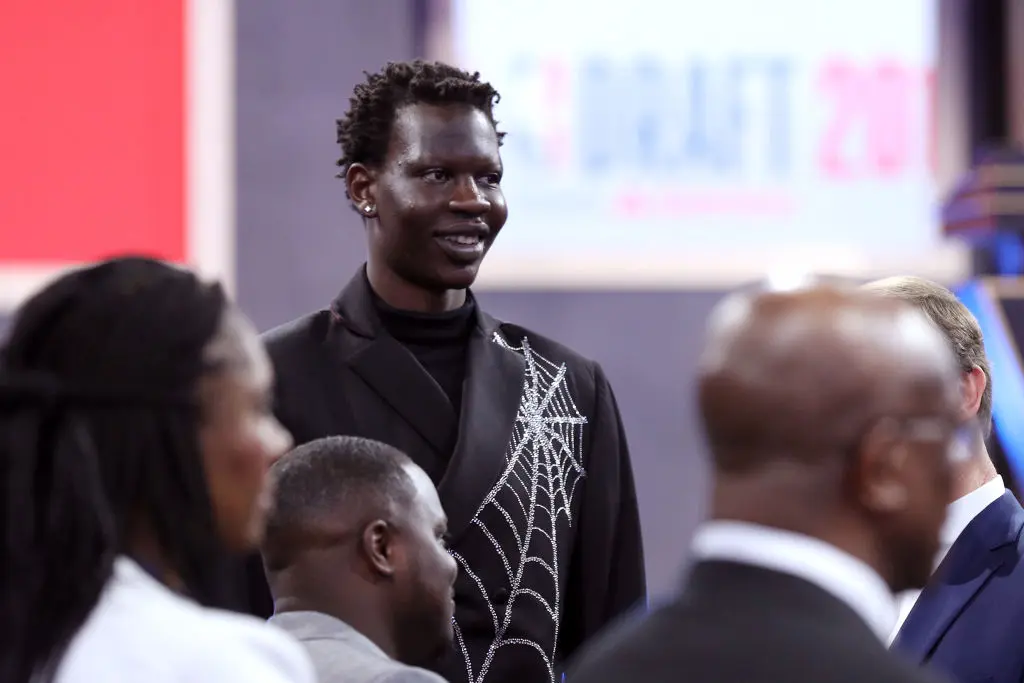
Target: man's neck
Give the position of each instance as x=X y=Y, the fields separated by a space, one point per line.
x=794 y=500
x=403 y=295
x=973 y=473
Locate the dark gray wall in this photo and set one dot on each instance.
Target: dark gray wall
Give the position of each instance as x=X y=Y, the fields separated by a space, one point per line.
x=298 y=243
x=297 y=62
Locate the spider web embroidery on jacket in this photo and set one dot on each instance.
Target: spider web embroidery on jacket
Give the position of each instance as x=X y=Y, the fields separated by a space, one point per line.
x=543 y=467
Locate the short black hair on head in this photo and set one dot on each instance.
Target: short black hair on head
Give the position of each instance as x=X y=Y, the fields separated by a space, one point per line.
x=365 y=130
x=315 y=481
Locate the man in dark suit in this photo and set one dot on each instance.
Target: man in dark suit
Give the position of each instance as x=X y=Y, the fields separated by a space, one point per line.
x=355 y=554
x=968 y=620
x=831 y=416
x=521 y=435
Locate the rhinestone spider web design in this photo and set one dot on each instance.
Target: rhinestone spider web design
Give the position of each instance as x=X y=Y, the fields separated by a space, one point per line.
x=543 y=457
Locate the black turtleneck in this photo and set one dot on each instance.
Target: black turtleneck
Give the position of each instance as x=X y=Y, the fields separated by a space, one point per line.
x=438 y=340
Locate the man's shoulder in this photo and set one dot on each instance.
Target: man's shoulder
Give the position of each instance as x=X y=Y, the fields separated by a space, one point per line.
x=549 y=362
x=543 y=348
x=995 y=537
x=307 y=329
x=401 y=673
x=338 y=659
x=683 y=636
x=636 y=642
x=299 y=328
x=410 y=675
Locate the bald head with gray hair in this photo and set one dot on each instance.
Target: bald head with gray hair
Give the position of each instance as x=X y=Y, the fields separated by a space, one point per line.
x=956 y=322
x=833 y=413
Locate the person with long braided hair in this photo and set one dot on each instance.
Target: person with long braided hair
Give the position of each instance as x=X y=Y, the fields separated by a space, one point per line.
x=135 y=438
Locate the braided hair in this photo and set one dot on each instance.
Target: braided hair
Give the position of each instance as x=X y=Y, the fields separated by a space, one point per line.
x=99 y=436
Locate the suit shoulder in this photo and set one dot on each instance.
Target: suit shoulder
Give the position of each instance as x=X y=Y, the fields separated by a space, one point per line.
x=546 y=347
x=686 y=636
x=628 y=645
x=344 y=655
x=310 y=328
x=408 y=674
x=340 y=659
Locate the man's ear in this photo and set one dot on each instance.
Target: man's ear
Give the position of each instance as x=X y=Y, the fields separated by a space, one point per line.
x=972 y=388
x=361 y=182
x=378 y=546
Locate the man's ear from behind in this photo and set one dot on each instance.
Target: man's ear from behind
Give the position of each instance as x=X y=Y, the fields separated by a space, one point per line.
x=379 y=548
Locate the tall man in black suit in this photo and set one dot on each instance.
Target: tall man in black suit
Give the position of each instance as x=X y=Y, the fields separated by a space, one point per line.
x=521 y=435
x=969 y=619
x=831 y=417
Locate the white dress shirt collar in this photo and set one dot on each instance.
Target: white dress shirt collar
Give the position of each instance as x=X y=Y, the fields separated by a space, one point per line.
x=831 y=569
x=964 y=509
x=959 y=514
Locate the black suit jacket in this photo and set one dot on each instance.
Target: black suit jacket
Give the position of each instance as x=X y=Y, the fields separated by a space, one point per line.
x=737 y=623
x=537 y=482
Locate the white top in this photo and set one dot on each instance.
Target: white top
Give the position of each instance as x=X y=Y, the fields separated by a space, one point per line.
x=831 y=569
x=142 y=631
x=959 y=514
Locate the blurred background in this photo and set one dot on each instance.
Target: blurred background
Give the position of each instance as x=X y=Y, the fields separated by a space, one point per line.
x=659 y=152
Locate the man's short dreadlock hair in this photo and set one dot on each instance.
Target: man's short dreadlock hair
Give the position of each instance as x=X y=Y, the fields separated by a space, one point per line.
x=365 y=130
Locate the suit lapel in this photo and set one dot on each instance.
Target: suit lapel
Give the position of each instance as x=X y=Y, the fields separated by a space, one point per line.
x=938 y=606
x=980 y=550
x=395 y=374
x=388 y=367
x=492 y=393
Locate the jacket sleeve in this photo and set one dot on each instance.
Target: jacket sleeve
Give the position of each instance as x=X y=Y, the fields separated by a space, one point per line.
x=606 y=575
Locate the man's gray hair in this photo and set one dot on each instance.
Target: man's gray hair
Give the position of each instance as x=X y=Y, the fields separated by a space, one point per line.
x=956 y=322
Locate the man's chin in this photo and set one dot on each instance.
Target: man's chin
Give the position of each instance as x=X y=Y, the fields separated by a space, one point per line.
x=437 y=655
x=459 y=276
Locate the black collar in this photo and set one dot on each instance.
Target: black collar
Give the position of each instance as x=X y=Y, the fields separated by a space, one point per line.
x=355 y=309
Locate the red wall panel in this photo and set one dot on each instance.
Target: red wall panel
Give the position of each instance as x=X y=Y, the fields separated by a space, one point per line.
x=92 y=148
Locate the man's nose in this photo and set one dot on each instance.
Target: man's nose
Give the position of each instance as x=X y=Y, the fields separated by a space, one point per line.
x=453 y=568
x=468 y=199
x=277 y=440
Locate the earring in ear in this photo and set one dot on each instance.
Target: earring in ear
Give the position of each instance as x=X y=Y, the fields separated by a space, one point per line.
x=368 y=209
